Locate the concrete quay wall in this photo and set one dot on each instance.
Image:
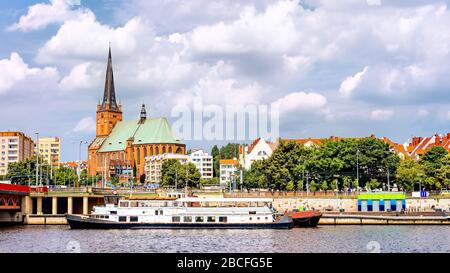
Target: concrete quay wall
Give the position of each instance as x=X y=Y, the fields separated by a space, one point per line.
x=351 y=205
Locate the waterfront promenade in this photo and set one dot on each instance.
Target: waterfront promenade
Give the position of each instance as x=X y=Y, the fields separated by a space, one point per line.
x=49 y=206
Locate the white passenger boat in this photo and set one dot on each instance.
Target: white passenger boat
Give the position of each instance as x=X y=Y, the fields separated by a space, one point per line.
x=186 y=212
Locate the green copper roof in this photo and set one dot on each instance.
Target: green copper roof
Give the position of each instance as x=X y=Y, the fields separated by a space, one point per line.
x=152 y=131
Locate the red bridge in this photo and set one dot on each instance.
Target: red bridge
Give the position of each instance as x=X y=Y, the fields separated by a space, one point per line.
x=10 y=202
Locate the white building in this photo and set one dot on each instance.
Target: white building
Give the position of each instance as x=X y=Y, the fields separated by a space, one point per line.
x=14 y=147
x=228 y=171
x=204 y=163
x=258 y=150
x=153 y=165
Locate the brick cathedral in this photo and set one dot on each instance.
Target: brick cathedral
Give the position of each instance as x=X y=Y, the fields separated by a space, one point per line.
x=122 y=145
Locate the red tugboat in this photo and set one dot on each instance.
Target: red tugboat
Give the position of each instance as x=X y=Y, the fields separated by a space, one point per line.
x=307 y=218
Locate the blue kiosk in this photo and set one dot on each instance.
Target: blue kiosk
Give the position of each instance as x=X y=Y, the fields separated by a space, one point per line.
x=381 y=201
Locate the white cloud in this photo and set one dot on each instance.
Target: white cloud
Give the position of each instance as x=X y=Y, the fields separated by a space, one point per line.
x=295 y=63
x=423 y=113
x=301 y=101
x=72 y=38
x=373 y=2
x=41 y=15
x=14 y=70
x=270 y=31
x=352 y=82
x=81 y=76
x=219 y=87
x=381 y=114
x=86 y=125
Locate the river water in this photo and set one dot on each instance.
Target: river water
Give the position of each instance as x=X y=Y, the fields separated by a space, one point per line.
x=321 y=239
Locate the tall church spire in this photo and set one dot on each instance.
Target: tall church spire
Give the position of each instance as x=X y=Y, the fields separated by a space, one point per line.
x=109 y=95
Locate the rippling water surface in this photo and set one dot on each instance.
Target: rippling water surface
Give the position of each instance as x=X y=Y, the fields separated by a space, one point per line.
x=321 y=239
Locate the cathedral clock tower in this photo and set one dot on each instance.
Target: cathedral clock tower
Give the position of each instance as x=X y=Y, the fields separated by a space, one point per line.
x=108 y=112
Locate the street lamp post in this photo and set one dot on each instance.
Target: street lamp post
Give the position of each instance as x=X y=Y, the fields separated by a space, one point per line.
x=79 y=163
x=37 y=158
x=357 y=170
x=388 y=185
x=307 y=184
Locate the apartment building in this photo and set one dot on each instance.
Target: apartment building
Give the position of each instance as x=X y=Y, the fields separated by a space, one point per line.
x=203 y=162
x=49 y=150
x=14 y=147
x=228 y=171
x=153 y=165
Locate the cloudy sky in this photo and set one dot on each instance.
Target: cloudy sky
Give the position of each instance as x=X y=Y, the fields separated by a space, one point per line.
x=343 y=68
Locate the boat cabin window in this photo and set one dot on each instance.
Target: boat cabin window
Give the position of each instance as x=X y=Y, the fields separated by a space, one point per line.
x=113 y=212
x=176 y=219
x=187 y=219
x=199 y=219
x=156 y=212
x=161 y=212
x=252 y=212
x=133 y=218
x=211 y=219
x=223 y=219
x=122 y=218
x=133 y=204
x=124 y=204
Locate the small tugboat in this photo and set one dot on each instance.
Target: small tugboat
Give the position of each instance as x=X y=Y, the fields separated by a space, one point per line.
x=307 y=218
x=186 y=212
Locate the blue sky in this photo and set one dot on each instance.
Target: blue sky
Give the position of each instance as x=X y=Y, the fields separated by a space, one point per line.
x=342 y=68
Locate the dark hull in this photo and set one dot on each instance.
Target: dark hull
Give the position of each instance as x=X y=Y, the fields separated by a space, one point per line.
x=306 y=222
x=305 y=218
x=77 y=222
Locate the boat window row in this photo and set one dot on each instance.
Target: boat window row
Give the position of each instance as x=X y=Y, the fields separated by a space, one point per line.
x=100 y=216
x=199 y=219
x=144 y=204
x=147 y=204
x=133 y=219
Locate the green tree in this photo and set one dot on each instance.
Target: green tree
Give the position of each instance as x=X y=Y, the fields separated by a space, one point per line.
x=254 y=178
x=172 y=170
x=324 y=186
x=65 y=176
x=290 y=186
x=115 y=180
x=372 y=184
x=84 y=179
x=24 y=172
x=443 y=173
x=409 y=172
x=432 y=162
x=171 y=173
x=134 y=171
x=312 y=186
x=215 y=153
x=334 y=184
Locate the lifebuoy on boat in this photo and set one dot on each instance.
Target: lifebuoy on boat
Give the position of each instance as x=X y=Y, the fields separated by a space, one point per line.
x=114 y=191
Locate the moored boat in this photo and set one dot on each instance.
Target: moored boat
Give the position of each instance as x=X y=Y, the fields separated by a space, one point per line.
x=308 y=218
x=188 y=212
